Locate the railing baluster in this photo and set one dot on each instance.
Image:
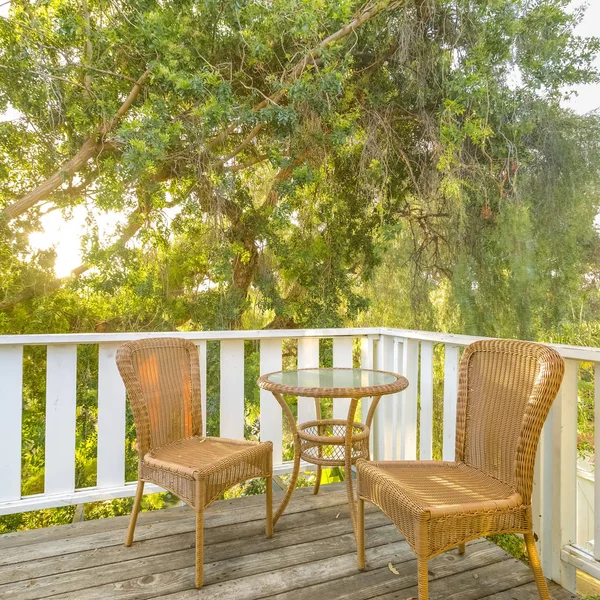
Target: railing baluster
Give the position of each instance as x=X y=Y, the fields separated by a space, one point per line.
x=384 y=413
x=342 y=358
x=308 y=357
x=232 y=389
x=450 y=394
x=61 y=406
x=597 y=461
x=410 y=370
x=367 y=355
x=537 y=506
x=562 y=477
x=111 y=419
x=426 y=391
x=202 y=358
x=395 y=401
x=11 y=395
x=270 y=411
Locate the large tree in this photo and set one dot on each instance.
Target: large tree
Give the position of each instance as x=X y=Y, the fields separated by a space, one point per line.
x=264 y=154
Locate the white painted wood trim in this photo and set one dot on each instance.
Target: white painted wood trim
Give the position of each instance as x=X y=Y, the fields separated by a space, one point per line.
x=396 y=404
x=232 y=413
x=342 y=358
x=450 y=399
x=597 y=462
x=96 y=494
x=573 y=352
x=537 y=506
x=367 y=361
x=271 y=418
x=61 y=406
x=426 y=398
x=408 y=398
x=384 y=413
x=203 y=370
x=577 y=558
x=111 y=419
x=564 y=476
x=308 y=358
x=47 y=339
x=11 y=397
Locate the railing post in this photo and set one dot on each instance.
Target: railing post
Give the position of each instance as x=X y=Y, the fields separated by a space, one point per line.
x=11 y=395
x=367 y=361
x=342 y=358
x=450 y=397
x=597 y=462
x=61 y=407
x=426 y=396
x=111 y=419
x=271 y=426
x=384 y=414
x=203 y=371
x=408 y=400
x=232 y=414
x=308 y=357
x=396 y=402
x=560 y=480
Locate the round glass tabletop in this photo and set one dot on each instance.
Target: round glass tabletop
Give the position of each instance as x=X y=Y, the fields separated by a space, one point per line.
x=333 y=382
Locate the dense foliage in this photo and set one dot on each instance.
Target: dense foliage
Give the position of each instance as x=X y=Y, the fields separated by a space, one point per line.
x=296 y=163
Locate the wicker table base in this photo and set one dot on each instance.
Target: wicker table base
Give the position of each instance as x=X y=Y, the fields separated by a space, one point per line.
x=330 y=442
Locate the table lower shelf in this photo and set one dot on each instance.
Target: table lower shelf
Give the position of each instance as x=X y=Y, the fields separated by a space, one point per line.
x=323 y=442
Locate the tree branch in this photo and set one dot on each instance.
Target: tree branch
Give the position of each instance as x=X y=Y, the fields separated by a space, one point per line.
x=91 y=148
x=365 y=14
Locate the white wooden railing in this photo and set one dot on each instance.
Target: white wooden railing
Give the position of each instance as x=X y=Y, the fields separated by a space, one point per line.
x=403 y=427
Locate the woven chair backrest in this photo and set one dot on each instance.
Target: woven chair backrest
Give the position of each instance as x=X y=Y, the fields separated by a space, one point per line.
x=505 y=391
x=162 y=379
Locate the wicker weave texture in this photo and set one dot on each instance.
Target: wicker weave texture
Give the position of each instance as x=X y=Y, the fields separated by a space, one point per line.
x=162 y=379
x=506 y=389
x=400 y=383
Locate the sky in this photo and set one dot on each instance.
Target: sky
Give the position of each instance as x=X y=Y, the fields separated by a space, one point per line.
x=588 y=97
x=64 y=235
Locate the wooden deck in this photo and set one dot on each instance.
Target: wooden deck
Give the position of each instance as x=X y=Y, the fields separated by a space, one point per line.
x=311 y=556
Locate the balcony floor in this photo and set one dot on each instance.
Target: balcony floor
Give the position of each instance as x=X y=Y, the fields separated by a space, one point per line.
x=312 y=555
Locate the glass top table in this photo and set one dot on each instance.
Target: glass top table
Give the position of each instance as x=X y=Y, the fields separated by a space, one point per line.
x=333 y=383
x=330 y=442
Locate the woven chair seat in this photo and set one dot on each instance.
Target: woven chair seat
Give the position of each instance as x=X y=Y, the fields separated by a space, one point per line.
x=434 y=489
x=220 y=461
x=200 y=455
x=456 y=502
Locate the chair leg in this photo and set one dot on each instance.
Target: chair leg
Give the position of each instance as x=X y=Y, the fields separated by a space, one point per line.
x=423 y=579
x=199 y=534
x=269 y=495
x=134 y=513
x=318 y=479
x=536 y=567
x=461 y=548
x=360 y=534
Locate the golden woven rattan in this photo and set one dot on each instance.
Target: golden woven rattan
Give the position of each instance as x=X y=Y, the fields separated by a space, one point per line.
x=323 y=442
x=506 y=389
x=162 y=379
x=330 y=442
x=397 y=385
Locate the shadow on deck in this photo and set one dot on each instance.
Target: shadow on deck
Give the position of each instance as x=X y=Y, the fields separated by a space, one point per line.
x=311 y=556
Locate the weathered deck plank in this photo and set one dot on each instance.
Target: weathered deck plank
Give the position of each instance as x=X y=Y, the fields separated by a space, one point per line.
x=312 y=555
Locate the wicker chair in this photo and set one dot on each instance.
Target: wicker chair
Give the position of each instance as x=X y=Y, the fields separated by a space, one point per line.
x=162 y=379
x=505 y=392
